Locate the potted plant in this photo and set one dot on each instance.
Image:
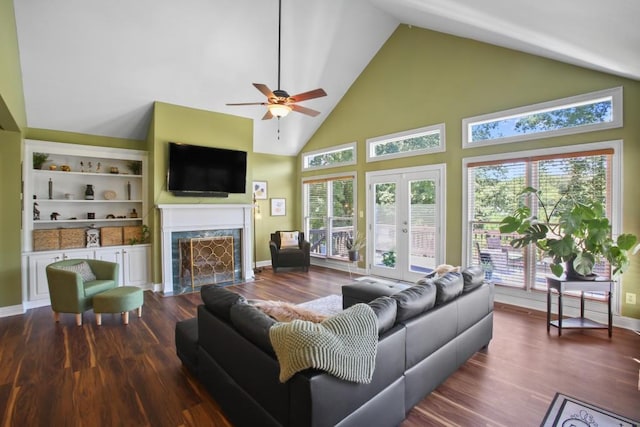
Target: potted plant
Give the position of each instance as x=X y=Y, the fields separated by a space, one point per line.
x=39 y=159
x=578 y=238
x=354 y=243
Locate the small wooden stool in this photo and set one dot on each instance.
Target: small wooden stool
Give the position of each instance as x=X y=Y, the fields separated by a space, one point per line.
x=118 y=300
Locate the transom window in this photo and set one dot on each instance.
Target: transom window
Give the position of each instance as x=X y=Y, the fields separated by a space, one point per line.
x=412 y=142
x=583 y=113
x=327 y=158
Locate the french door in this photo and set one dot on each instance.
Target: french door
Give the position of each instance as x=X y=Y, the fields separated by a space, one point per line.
x=405 y=221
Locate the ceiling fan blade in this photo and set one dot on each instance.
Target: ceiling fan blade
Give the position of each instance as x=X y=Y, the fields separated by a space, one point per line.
x=264 y=89
x=316 y=93
x=249 y=103
x=267 y=115
x=304 y=110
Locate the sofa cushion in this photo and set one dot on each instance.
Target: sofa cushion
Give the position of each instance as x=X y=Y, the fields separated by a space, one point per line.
x=473 y=278
x=219 y=300
x=414 y=300
x=82 y=268
x=253 y=324
x=448 y=287
x=386 y=310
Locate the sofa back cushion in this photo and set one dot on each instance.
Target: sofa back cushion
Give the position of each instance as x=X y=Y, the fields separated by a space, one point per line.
x=414 y=300
x=386 y=310
x=448 y=287
x=253 y=324
x=219 y=300
x=473 y=278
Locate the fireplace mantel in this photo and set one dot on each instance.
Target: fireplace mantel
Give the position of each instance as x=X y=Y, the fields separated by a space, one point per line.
x=201 y=217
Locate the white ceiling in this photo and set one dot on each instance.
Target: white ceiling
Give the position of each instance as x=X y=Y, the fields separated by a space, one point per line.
x=96 y=67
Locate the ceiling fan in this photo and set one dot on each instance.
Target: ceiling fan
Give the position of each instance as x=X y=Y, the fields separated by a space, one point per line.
x=279 y=103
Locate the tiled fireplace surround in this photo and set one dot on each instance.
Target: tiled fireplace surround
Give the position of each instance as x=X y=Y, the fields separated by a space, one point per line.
x=192 y=220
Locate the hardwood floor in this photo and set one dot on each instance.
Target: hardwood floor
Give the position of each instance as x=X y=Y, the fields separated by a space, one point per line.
x=114 y=375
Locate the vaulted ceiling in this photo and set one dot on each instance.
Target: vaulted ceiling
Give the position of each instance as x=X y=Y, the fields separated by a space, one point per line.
x=96 y=67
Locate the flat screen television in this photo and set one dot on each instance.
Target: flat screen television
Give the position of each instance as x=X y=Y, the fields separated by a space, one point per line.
x=205 y=171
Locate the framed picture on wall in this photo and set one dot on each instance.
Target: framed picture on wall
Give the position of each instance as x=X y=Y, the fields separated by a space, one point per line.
x=278 y=207
x=260 y=190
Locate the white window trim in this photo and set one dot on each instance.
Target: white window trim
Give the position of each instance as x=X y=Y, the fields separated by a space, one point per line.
x=305 y=179
x=617 y=112
x=371 y=142
x=616 y=195
x=343 y=147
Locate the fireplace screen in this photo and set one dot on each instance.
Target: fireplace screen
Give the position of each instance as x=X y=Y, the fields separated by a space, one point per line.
x=206 y=260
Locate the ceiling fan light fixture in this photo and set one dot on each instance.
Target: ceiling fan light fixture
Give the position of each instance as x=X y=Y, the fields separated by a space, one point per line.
x=279 y=110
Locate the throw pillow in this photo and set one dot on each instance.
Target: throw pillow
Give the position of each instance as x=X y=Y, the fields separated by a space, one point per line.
x=83 y=269
x=289 y=239
x=286 y=312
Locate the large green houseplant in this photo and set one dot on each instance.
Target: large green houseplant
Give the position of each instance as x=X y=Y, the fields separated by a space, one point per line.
x=578 y=238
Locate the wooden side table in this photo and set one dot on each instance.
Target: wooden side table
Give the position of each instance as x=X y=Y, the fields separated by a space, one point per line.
x=562 y=285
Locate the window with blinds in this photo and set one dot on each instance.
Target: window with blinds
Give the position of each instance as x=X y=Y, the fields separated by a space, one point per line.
x=329 y=214
x=494 y=188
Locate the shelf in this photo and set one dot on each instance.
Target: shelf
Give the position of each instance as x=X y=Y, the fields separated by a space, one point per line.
x=57 y=172
x=579 y=323
x=75 y=221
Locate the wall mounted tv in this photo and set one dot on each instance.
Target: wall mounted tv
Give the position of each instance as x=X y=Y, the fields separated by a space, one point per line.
x=205 y=171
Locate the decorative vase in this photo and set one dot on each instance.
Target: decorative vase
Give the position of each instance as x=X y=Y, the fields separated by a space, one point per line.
x=571 y=274
x=88 y=193
x=353 y=256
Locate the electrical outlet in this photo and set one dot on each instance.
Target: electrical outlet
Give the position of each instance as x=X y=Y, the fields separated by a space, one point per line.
x=630 y=298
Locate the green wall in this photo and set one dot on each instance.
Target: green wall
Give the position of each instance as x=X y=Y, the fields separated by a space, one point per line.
x=12 y=110
x=421 y=78
x=280 y=173
x=191 y=126
x=12 y=120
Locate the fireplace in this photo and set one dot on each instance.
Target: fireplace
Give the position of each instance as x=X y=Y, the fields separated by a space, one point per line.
x=221 y=237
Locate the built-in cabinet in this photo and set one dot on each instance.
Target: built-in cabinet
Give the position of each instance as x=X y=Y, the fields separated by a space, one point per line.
x=80 y=187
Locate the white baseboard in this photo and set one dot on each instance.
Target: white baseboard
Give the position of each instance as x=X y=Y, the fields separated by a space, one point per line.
x=596 y=311
x=11 y=310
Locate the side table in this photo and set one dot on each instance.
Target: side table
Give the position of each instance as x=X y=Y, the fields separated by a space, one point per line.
x=562 y=285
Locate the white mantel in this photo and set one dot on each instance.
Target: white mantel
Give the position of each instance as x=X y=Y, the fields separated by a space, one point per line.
x=197 y=217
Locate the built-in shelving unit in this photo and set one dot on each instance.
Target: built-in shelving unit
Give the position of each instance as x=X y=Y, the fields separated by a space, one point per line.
x=54 y=198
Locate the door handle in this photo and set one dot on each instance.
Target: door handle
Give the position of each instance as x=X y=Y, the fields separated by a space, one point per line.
x=404 y=230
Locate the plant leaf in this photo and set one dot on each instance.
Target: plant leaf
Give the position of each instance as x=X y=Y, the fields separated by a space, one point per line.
x=583 y=264
x=626 y=241
x=557 y=269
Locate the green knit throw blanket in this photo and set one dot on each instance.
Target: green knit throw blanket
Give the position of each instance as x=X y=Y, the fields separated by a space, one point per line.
x=343 y=345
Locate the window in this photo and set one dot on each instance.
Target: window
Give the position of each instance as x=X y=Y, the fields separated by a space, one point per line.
x=413 y=142
x=329 y=214
x=583 y=113
x=588 y=172
x=337 y=156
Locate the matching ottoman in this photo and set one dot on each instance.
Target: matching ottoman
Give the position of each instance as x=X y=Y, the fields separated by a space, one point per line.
x=368 y=289
x=118 y=300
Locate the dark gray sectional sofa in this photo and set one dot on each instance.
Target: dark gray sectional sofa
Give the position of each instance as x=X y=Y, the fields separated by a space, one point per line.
x=421 y=343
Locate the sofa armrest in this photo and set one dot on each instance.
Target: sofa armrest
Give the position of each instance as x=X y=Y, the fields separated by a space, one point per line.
x=105 y=270
x=66 y=289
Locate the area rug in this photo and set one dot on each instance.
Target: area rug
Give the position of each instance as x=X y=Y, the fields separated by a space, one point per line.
x=329 y=305
x=566 y=411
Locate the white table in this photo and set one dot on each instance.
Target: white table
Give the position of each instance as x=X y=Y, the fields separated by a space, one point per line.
x=561 y=285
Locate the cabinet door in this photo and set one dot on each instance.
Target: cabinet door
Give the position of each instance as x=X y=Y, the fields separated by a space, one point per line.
x=112 y=255
x=38 y=287
x=135 y=265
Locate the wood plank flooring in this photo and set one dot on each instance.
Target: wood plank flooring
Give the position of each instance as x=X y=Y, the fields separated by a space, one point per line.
x=115 y=375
